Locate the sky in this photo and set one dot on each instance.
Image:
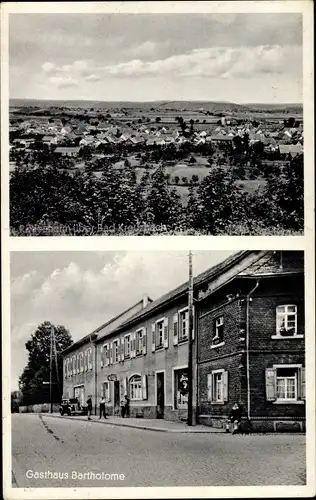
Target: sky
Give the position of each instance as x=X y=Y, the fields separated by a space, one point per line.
x=240 y=58
x=83 y=290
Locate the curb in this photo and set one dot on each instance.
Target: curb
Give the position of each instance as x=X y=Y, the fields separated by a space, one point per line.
x=138 y=426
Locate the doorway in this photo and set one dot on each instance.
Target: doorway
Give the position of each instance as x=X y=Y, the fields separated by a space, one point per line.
x=117 y=400
x=160 y=394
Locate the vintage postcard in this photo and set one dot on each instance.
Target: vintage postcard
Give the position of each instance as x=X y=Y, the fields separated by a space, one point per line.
x=138 y=363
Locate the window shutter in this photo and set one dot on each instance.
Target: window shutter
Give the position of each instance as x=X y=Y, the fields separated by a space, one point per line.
x=111 y=353
x=118 y=347
x=65 y=369
x=70 y=367
x=101 y=356
x=134 y=344
x=144 y=340
x=144 y=386
x=102 y=391
x=303 y=383
x=270 y=384
x=106 y=354
x=225 y=386
x=175 y=329
x=153 y=335
x=209 y=387
x=90 y=359
x=166 y=332
x=78 y=363
x=124 y=386
x=122 y=348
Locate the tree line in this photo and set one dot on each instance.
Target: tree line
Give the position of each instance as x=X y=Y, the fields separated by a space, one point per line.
x=44 y=197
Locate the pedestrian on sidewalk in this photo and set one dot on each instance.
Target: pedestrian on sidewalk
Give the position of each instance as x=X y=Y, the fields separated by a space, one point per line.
x=234 y=419
x=125 y=407
x=102 y=407
x=89 y=405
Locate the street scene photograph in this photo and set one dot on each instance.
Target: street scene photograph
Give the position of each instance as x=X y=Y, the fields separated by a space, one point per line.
x=157 y=368
x=156 y=123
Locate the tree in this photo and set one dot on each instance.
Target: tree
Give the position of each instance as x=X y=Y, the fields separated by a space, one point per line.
x=284 y=195
x=163 y=203
x=37 y=369
x=158 y=119
x=218 y=200
x=192 y=160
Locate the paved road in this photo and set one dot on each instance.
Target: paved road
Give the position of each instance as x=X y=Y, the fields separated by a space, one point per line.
x=146 y=458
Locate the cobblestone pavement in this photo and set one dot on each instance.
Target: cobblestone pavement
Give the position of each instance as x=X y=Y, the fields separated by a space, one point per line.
x=146 y=458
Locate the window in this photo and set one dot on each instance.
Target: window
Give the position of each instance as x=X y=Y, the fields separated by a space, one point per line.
x=89 y=353
x=159 y=333
x=115 y=351
x=286 y=320
x=81 y=362
x=285 y=383
x=106 y=360
x=135 y=388
x=218 y=337
x=139 y=342
x=106 y=391
x=218 y=386
x=183 y=325
x=127 y=346
x=74 y=367
x=181 y=385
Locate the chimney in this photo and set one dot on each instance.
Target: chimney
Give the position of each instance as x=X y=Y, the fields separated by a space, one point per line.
x=145 y=301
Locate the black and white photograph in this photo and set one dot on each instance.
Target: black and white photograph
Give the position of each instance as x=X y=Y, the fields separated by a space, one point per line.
x=164 y=368
x=156 y=123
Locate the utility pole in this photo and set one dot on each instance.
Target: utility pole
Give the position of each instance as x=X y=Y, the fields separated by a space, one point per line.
x=190 y=351
x=51 y=370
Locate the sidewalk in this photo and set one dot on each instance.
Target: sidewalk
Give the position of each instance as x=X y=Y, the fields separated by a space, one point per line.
x=144 y=423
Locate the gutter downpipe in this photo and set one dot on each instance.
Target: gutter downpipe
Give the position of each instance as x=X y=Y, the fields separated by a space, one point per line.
x=95 y=379
x=248 y=299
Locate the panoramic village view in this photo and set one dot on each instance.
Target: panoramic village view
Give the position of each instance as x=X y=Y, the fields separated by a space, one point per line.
x=195 y=168
x=153 y=132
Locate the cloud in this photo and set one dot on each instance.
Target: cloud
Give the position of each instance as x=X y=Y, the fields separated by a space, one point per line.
x=147 y=49
x=93 y=78
x=215 y=62
x=82 y=296
x=48 y=67
x=63 y=81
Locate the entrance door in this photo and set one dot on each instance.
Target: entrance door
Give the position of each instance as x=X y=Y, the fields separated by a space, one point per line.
x=160 y=394
x=117 y=401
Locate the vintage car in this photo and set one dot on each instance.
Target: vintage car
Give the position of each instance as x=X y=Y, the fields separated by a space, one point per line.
x=72 y=406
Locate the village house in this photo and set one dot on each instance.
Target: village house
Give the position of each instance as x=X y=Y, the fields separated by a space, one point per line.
x=251 y=344
x=67 y=151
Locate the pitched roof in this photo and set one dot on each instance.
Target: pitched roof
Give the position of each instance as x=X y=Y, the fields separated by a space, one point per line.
x=67 y=149
x=183 y=289
x=93 y=336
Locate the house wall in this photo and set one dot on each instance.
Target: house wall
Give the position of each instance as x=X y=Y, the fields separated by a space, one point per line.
x=163 y=359
x=85 y=378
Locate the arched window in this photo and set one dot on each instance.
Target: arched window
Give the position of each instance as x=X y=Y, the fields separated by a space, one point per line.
x=135 y=387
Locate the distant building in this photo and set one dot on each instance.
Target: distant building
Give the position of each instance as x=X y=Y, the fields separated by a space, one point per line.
x=67 y=151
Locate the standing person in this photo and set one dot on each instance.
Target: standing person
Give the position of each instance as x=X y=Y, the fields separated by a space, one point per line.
x=102 y=407
x=89 y=405
x=235 y=417
x=126 y=406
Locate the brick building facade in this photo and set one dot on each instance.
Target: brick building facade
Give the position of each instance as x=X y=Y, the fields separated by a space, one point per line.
x=251 y=347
